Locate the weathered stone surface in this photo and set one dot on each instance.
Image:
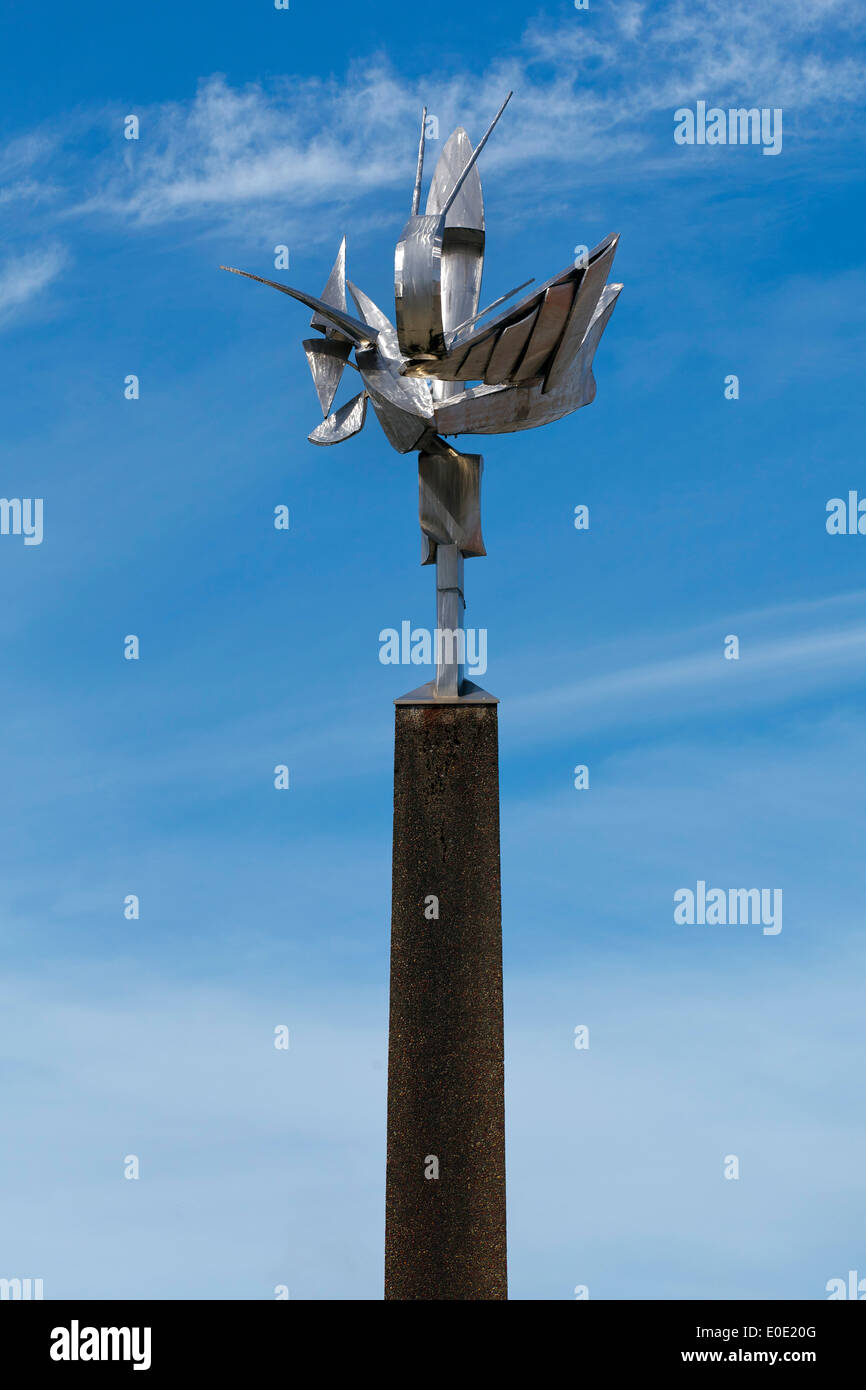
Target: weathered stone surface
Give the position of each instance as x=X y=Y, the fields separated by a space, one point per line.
x=445 y=1235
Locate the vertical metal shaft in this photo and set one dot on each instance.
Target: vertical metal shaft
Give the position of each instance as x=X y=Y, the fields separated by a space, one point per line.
x=450 y=637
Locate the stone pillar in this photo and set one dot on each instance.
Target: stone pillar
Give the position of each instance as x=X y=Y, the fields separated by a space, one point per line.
x=445 y=1201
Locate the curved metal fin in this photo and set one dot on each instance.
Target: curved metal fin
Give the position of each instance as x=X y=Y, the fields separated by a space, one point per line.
x=326 y=358
x=582 y=310
x=504 y=409
x=580 y=384
x=462 y=258
x=509 y=349
x=547 y=331
x=467 y=210
x=335 y=290
x=359 y=333
x=449 y=501
x=371 y=312
x=402 y=428
x=345 y=422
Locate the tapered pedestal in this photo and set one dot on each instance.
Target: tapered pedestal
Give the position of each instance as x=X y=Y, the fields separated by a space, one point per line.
x=445 y=1203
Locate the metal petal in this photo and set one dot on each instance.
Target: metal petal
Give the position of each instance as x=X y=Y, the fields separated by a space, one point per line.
x=417 y=286
x=402 y=429
x=579 y=388
x=467 y=210
x=582 y=312
x=449 y=501
x=404 y=407
x=452 y=366
x=509 y=349
x=345 y=422
x=326 y=357
x=565 y=306
x=462 y=244
x=334 y=292
x=552 y=316
x=505 y=409
x=386 y=341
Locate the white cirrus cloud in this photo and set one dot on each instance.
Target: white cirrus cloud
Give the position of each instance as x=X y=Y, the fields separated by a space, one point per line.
x=24 y=277
x=587 y=97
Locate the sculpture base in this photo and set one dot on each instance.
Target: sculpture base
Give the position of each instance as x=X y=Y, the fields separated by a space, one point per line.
x=470 y=694
x=445 y=1201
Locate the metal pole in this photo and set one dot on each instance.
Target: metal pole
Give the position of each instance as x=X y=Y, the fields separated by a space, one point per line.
x=450 y=637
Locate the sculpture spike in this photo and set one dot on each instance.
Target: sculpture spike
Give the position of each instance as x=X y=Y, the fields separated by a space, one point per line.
x=416 y=195
x=475 y=153
x=495 y=305
x=361 y=334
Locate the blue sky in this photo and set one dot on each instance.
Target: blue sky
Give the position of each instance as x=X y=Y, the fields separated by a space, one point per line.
x=258 y=647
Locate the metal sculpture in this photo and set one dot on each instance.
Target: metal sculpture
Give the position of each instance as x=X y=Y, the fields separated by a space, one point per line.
x=532 y=364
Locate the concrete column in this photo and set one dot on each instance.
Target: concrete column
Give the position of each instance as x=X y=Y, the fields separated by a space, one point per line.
x=445 y=1201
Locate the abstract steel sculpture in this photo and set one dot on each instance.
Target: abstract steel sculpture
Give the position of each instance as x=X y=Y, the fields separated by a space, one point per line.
x=533 y=363
x=445 y=1188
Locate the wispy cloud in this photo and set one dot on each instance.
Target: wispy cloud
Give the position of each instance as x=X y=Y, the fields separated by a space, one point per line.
x=587 y=95
x=594 y=98
x=786 y=653
x=24 y=277
x=20 y=155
